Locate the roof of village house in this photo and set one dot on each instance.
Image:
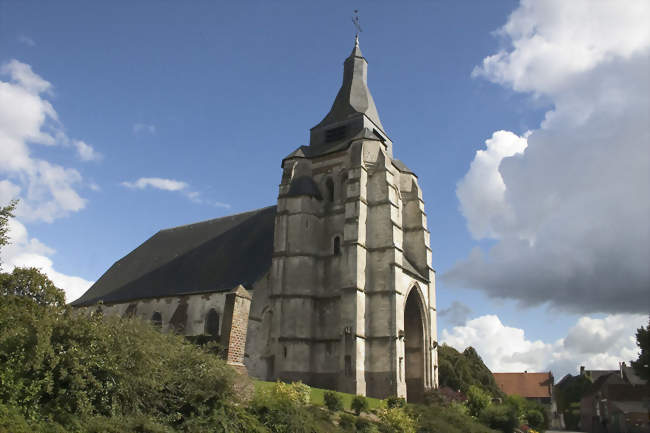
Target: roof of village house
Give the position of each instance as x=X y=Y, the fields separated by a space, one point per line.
x=525 y=384
x=209 y=256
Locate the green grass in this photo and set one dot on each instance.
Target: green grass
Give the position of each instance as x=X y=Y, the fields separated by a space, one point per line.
x=318 y=395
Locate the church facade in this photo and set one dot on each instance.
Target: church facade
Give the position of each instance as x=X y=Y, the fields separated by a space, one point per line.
x=332 y=286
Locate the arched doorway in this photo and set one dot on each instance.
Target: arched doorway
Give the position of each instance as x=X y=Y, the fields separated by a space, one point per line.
x=414 y=346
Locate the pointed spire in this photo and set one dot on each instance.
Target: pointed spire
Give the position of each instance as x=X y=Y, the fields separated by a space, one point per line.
x=353 y=100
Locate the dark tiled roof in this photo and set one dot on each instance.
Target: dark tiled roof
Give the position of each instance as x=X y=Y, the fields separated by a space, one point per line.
x=209 y=256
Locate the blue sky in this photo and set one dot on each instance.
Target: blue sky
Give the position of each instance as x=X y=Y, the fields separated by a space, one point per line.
x=212 y=95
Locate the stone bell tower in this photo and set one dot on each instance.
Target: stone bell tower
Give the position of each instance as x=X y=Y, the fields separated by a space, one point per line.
x=351 y=285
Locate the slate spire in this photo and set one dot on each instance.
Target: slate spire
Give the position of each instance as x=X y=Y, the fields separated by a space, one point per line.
x=353 y=100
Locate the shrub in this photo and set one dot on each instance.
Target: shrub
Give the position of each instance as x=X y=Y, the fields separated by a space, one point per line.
x=477 y=400
x=535 y=419
x=283 y=408
x=500 y=417
x=61 y=366
x=365 y=426
x=439 y=419
x=359 y=404
x=333 y=401
x=347 y=421
x=392 y=402
x=396 y=420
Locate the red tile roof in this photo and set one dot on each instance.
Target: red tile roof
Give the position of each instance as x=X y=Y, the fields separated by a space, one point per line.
x=525 y=384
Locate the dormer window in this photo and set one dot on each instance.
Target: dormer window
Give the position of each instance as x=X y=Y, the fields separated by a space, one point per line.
x=335 y=134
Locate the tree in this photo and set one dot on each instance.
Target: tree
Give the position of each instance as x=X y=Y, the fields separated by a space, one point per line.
x=642 y=365
x=30 y=285
x=6 y=212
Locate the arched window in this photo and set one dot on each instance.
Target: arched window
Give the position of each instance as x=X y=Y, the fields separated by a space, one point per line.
x=212 y=323
x=337 y=246
x=156 y=320
x=329 y=186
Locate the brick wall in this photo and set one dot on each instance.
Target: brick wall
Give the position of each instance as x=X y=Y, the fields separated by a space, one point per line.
x=235 y=326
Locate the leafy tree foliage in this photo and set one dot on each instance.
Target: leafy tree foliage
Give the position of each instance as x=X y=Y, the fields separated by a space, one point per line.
x=477 y=400
x=642 y=365
x=568 y=395
x=6 y=212
x=459 y=371
x=29 y=285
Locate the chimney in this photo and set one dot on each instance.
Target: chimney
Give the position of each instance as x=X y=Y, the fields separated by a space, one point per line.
x=582 y=370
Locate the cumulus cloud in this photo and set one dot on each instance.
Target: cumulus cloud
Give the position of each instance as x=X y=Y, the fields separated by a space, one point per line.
x=567 y=203
x=592 y=342
x=47 y=191
x=140 y=128
x=24 y=251
x=456 y=314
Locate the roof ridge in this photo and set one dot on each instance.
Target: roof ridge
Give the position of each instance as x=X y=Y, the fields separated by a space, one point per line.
x=215 y=219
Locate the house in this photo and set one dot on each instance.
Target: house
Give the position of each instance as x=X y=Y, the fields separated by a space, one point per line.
x=617 y=403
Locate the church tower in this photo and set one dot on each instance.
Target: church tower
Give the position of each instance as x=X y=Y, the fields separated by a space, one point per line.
x=351 y=292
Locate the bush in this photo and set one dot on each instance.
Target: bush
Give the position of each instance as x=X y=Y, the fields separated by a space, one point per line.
x=500 y=417
x=283 y=408
x=535 y=419
x=440 y=419
x=333 y=401
x=359 y=404
x=392 y=402
x=347 y=421
x=62 y=366
x=396 y=420
x=477 y=400
x=365 y=426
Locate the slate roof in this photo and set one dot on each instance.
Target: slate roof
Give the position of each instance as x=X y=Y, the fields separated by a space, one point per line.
x=354 y=96
x=209 y=256
x=531 y=385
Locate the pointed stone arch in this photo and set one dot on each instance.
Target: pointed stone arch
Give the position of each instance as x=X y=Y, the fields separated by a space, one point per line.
x=415 y=344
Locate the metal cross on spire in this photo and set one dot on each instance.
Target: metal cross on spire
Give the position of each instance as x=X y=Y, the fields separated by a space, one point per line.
x=355 y=21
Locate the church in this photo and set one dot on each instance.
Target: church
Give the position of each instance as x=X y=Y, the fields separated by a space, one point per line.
x=332 y=286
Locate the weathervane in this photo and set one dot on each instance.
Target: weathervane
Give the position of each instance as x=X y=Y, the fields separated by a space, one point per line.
x=355 y=21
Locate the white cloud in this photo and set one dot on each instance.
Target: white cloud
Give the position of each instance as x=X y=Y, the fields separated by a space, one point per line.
x=171 y=185
x=26 y=117
x=156 y=182
x=482 y=191
x=139 y=128
x=86 y=152
x=26 y=40
x=568 y=204
x=24 y=251
x=592 y=342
